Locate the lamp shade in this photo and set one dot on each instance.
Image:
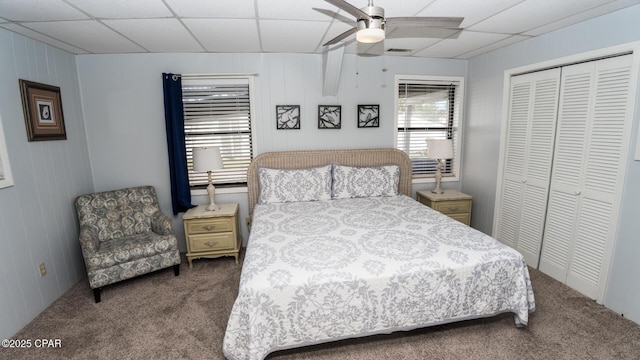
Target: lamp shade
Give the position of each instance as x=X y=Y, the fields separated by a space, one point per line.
x=439 y=149
x=207 y=159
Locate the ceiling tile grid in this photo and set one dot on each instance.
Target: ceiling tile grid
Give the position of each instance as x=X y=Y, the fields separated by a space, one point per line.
x=122 y=9
x=286 y=26
x=156 y=35
x=225 y=35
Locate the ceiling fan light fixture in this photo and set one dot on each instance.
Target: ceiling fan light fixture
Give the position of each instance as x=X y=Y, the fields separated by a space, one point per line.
x=370 y=35
x=370 y=31
x=371 y=24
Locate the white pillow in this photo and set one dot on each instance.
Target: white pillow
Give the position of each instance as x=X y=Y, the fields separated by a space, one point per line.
x=292 y=185
x=357 y=182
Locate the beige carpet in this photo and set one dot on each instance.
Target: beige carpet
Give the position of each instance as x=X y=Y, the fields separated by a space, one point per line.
x=160 y=316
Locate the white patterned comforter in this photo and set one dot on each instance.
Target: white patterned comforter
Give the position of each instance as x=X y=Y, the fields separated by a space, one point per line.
x=327 y=270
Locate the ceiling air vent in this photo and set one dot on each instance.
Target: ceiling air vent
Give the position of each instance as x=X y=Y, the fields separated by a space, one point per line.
x=396 y=50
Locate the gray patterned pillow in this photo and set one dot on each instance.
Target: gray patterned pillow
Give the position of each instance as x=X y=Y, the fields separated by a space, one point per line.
x=357 y=182
x=291 y=185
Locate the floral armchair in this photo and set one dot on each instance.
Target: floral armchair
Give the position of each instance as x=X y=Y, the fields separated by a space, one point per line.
x=124 y=234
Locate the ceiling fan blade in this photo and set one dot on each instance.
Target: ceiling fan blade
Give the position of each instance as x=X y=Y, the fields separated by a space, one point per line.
x=359 y=14
x=445 y=22
x=402 y=32
x=341 y=36
x=334 y=15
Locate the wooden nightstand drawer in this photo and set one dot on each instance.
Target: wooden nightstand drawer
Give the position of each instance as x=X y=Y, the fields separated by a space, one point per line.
x=209 y=242
x=205 y=226
x=212 y=234
x=452 y=203
x=462 y=217
x=453 y=207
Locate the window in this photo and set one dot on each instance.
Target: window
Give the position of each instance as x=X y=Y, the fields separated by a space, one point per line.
x=428 y=108
x=217 y=112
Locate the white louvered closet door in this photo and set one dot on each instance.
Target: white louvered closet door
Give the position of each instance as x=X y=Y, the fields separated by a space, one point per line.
x=592 y=138
x=522 y=201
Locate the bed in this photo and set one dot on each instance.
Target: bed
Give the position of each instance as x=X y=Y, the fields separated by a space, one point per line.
x=363 y=259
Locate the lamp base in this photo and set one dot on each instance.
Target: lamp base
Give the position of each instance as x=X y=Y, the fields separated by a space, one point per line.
x=437 y=190
x=211 y=190
x=212 y=207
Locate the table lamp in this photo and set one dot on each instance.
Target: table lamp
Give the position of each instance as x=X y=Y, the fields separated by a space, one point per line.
x=439 y=150
x=208 y=159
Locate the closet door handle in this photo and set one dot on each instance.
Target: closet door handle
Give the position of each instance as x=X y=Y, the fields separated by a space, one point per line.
x=578 y=192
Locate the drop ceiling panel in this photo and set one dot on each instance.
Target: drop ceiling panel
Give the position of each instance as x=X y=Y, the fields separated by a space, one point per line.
x=40 y=37
x=287 y=26
x=156 y=35
x=604 y=9
x=291 y=36
x=466 y=42
x=243 y=9
x=490 y=47
x=532 y=14
x=225 y=35
x=473 y=11
x=88 y=35
x=122 y=9
x=295 y=10
x=38 y=10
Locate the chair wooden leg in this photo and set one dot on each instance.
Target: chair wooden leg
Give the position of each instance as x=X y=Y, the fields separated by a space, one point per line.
x=96 y=294
x=176 y=269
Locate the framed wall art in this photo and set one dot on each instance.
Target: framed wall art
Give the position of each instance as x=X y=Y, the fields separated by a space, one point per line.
x=368 y=116
x=42 y=107
x=287 y=117
x=329 y=116
x=6 y=179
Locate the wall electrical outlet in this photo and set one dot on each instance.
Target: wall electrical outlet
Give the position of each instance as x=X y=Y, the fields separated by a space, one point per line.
x=43 y=269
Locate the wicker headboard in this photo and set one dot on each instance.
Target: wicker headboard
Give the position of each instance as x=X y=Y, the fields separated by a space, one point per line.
x=311 y=158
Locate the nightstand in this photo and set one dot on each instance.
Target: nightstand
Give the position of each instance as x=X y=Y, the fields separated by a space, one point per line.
x=212 y=234
x=453 y=203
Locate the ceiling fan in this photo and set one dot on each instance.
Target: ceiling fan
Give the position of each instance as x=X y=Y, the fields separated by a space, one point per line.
x=371 y=24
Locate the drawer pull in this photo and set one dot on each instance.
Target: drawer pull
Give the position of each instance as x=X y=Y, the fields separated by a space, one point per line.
x=211 y=243
x=453 y=209
x=209 y=227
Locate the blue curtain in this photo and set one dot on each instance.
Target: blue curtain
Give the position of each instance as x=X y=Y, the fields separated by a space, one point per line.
x=174 y=119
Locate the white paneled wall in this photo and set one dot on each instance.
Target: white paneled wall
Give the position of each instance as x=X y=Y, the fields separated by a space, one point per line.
x=124 y=111
x=37 y=221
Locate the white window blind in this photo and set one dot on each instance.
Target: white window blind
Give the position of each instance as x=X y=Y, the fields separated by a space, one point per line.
x=217 y=112
x=428 y=109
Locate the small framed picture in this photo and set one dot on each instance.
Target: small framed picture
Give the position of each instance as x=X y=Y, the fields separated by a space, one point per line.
x=287 y=117
x=42 y=106
x=329 y=116
x=368 y=116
